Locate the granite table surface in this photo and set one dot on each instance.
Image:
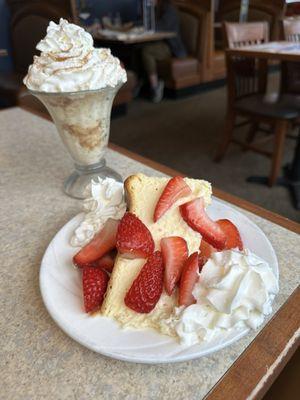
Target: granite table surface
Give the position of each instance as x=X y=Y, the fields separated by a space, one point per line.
x=38 y=360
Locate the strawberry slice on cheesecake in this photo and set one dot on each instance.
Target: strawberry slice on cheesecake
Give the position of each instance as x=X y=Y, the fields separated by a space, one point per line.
x=175 y=253
x=134 y=239
x=233 y=241
x=94 y=284
x=194 y=214
x=175 y=189
x=233 y=237
x=190 y=275
x=147 y=287
x=104 y=241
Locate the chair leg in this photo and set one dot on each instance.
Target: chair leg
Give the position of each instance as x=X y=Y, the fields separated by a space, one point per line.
x=226 y=137
x=281 y=128
x=251 y=134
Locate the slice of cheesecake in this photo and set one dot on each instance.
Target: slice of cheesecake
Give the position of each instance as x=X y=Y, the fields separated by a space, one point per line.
x=142 y=194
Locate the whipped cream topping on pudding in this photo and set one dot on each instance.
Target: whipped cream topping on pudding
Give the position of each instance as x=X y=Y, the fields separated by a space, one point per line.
x=105 y=200
x=69 y=62
x=235 y=290
x=77 y=83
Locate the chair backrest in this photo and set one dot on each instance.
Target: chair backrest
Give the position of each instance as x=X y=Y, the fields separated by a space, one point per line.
x=291 y=29
x=245 y=76
x=245 y=34
x=259 y=10
x=193 y=17
x=290 y=71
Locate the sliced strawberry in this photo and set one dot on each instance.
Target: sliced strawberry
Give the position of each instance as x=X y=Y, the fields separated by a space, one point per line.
x=147 y=287
x=206 y=249
x=102 y=242
x=134 y=239
x=175 y=252
x=188 y=279
x=106 y=262
x=94 y=283
x=233 y=237
x=175 y=189
x=201 y=262
x=195 y=216
x=233 y=240
x=205 y=252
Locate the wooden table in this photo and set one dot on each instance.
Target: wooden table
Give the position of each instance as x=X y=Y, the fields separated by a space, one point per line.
x=127 y=48
x=134 y=39
x=40 y=361
x=280 y=51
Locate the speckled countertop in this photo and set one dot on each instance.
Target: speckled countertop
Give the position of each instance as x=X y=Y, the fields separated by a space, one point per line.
x=38 y=361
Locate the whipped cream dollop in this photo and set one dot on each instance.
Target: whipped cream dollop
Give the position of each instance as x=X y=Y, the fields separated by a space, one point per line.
x=106 y=200
x=235 y=290
x=69 y=62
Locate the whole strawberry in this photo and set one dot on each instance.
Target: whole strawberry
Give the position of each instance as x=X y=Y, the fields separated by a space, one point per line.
x=94 y=283
x=147 y=287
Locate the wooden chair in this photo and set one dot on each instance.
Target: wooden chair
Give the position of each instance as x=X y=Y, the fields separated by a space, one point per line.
x=246 y=87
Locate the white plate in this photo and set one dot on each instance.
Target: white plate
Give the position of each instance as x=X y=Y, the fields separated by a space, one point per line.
x=61 y=290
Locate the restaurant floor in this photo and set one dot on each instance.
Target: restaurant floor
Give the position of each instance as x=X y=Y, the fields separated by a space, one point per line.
x=184 y=134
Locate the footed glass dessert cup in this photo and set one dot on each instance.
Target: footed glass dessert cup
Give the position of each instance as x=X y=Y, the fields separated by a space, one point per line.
x=83 y=122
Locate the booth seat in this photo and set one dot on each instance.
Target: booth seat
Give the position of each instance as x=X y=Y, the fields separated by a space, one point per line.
x=189 y=71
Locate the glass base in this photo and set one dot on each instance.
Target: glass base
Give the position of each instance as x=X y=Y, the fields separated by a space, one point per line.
x=76 y=184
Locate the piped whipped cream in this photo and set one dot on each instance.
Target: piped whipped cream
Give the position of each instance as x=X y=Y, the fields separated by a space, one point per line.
x=106 y=200
x=235 y=290
x=69 y=62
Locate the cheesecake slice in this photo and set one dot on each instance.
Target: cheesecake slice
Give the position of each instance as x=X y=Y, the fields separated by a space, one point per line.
x=142 y=194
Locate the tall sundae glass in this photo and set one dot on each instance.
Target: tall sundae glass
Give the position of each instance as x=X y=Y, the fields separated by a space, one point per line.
x=77 y=84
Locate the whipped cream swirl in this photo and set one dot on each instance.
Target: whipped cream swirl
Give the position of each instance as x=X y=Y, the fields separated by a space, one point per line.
x=235 y=290
x=69 y=62
x=106 y=201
